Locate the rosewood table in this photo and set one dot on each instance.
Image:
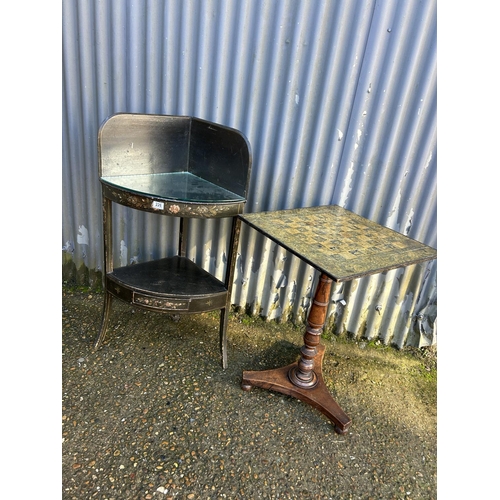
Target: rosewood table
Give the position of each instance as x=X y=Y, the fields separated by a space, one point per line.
x=342 y=246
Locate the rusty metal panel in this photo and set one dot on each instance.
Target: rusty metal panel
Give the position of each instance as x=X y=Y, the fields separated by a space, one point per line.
x=337 y=100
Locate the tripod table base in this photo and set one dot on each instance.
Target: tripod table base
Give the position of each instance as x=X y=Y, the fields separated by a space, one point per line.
x=319 y=397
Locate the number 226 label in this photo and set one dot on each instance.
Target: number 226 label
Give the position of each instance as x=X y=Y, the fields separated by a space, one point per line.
x=158 y=205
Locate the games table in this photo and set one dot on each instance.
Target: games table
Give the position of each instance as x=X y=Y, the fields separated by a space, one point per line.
x=342 y=246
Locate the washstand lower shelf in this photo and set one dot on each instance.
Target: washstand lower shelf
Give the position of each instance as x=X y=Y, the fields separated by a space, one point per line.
x=169 y=284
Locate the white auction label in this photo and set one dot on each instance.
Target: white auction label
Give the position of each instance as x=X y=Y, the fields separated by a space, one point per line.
x=158 y=205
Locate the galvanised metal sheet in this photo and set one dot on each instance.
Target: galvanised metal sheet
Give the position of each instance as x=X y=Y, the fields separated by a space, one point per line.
x=338 y=102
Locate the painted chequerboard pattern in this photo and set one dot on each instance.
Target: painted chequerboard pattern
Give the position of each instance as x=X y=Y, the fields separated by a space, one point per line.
x=338 y=242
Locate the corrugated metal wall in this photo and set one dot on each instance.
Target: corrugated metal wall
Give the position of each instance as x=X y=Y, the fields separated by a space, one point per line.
x=338 y=101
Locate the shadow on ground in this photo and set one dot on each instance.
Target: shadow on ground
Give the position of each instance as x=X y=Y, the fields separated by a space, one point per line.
x=152 y=415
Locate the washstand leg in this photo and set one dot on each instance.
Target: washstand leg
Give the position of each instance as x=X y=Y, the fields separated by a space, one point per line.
x=224 y=315
x=229 y=279
x=108 y=298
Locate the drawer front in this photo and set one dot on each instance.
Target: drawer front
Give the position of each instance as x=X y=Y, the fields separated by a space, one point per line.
x=160 y=303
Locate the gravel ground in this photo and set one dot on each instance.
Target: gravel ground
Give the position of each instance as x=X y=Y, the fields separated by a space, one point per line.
x=152 y=415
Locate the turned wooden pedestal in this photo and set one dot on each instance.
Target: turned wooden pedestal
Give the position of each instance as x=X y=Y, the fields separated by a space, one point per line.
x=303 y=379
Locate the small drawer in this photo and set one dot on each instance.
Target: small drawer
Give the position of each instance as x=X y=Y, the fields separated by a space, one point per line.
x=160 y=303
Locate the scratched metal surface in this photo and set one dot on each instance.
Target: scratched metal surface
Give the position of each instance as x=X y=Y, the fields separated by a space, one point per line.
x=339 y=242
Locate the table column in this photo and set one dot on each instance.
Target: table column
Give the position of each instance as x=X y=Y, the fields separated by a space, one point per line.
x=303 y=379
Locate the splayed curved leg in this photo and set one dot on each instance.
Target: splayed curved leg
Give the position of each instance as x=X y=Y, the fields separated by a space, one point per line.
x=223 y=335
x=105 y=318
